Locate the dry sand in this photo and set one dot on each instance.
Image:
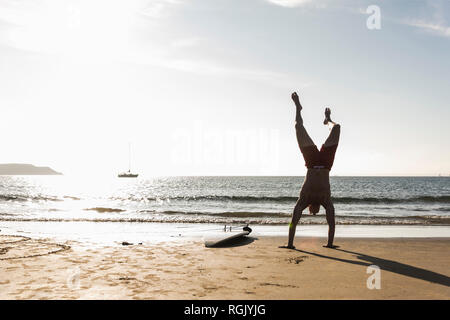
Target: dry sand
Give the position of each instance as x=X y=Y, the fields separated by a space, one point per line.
x=258 y=269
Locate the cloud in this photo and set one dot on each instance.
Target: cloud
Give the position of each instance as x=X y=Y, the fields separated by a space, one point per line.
x=435 y=28
x=289 y=3
x=159 y=8
x=214 y=68
x=131 y=33
x=432 y=19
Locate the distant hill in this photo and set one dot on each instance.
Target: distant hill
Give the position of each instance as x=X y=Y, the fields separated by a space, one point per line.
x=25 y=169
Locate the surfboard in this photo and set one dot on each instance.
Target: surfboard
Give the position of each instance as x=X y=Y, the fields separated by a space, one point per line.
x=227 y=237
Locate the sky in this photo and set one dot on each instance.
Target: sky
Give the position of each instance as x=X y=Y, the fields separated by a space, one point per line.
x=201 y=87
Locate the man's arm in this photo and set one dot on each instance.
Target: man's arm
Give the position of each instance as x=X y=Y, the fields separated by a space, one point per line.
x=298 y=209
x=329 y=209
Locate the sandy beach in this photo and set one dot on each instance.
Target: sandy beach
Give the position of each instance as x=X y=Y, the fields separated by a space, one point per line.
x=137 y=133
x=411 y=268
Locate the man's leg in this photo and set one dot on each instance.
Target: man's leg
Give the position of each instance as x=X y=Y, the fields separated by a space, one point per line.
x=303 y=139
x=298 y=209
x=328 y=150
x=333 y=137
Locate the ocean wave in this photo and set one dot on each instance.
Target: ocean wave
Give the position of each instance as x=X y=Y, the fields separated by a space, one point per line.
x=218 y=198
x=104 y=209
x=344 y=200
x=305 y=220
x=350 y=219
x=374 y=200
x=236 y=214
x=71 y=198
x=22 y=198
x=444 y=199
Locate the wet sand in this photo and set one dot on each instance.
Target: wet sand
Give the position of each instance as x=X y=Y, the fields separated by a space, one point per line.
x=413 y=268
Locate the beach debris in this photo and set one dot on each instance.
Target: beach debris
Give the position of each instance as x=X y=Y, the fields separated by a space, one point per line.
x=297 y=260
x=125 y=243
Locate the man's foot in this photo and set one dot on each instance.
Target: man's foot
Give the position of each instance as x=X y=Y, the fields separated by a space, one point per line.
x=327 y=116
x=330 y=246
x=286 y=247
x=294 y=97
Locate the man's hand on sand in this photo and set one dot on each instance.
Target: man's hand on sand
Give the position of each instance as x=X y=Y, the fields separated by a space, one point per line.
x=294 y=97
x=287 y=247
x=331 y=246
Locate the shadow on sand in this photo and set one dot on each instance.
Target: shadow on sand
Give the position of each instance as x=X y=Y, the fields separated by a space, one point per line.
x=389 y=265
x=236 y=242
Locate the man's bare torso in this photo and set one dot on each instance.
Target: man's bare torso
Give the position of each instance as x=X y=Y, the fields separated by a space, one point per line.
x=316 y=187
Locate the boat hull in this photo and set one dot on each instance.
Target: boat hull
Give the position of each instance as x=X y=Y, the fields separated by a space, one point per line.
x=127 y=175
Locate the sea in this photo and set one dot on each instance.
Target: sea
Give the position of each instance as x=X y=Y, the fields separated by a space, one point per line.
x=221 y=200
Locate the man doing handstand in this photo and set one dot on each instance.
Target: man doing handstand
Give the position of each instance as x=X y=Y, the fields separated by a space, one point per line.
x=316 y=187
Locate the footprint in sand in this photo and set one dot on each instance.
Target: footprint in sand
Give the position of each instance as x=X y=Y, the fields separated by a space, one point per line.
x=4 y=250
x=103 y=268
x=297 y=260
x=11 y=268
x=210 y=287
x=151 y=277
x=277 y=285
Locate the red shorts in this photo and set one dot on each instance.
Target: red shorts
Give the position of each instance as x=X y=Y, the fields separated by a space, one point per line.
x=323 y=158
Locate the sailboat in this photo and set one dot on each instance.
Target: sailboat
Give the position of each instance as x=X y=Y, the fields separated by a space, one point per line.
x=128 y=174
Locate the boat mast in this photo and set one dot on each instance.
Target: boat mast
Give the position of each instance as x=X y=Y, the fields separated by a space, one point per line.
x=129 y=157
